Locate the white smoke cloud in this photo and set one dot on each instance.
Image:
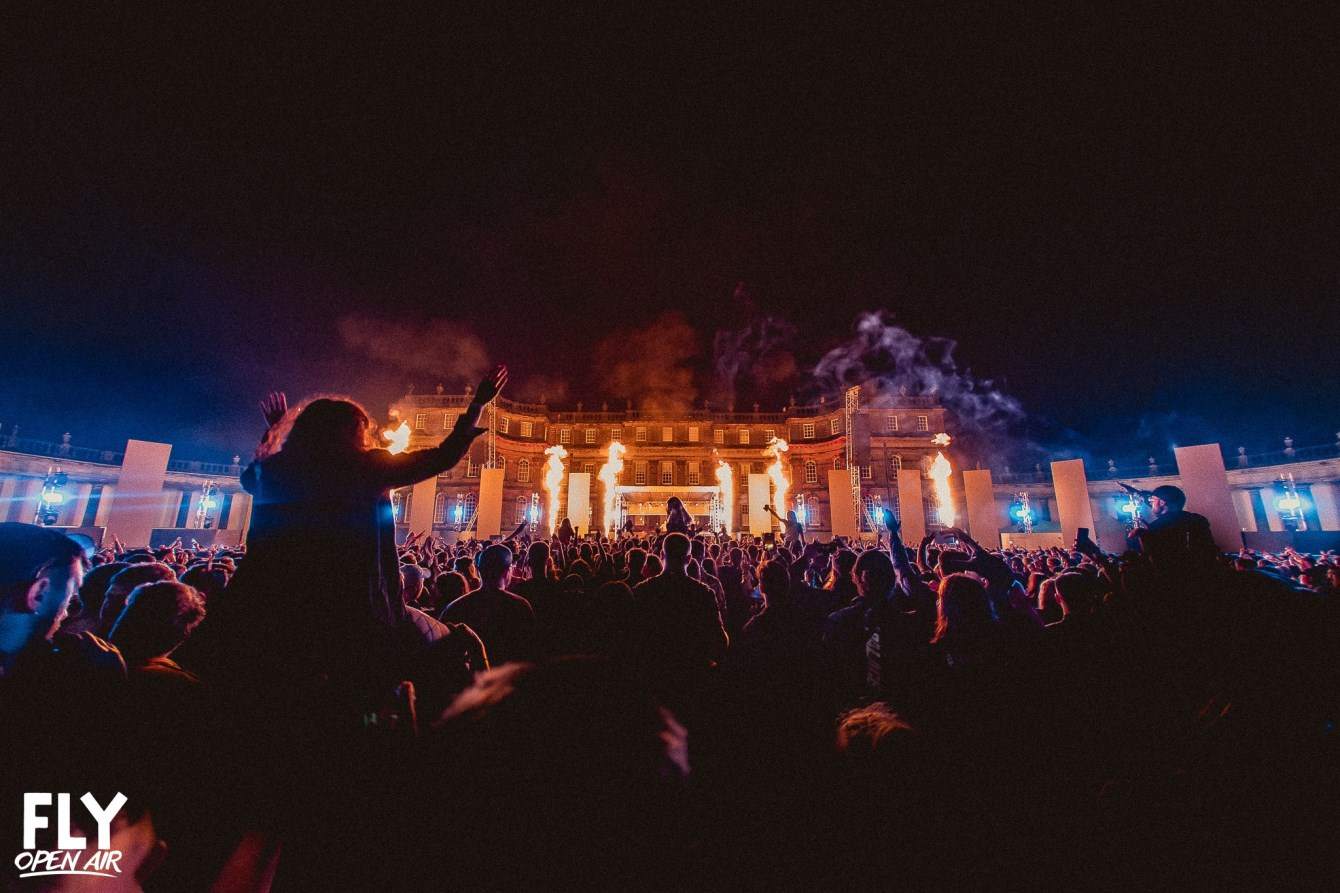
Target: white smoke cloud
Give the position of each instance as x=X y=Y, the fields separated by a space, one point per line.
x=889 y=362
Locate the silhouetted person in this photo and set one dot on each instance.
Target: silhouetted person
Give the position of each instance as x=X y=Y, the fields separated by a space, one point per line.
x=677 y=518
x=504 y=622
x=680 y=630
x=320 y=588
x=1174 y=534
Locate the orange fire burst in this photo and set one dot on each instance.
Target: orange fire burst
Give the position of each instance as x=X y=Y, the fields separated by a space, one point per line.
x=553 y=482
x=726 y=481
x=398 y=438
x=941 y=439
x=609 y=476
x=777 y=473
x=939 y=472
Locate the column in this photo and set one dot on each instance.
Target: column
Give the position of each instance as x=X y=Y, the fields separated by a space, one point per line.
x=1108 y=530
x=1205 y=482
x=139 y=492
x=1273 y=519
x=24 y=507
x=239 y=514
x=579 y=504
x=841 y=512
x=7 y=497
x=911 y=506
x=488 y=521
x=1327 y=506
x=1072 y=498
x=980 y=498
x=192 y=507
x=1242 y=504
x=79 y=505
x=421 y=502
x=104 y=505
x=169 y=507
x=760 y=522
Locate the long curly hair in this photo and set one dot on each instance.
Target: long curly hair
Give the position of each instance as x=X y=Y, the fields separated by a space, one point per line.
x=325 y=423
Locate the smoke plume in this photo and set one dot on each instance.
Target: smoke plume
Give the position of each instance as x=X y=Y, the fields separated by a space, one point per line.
x=756 y=356
x=443 y=349
x=651 y=366
x=889 y=362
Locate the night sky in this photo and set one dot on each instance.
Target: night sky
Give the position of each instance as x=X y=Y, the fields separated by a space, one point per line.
x=1128 y=223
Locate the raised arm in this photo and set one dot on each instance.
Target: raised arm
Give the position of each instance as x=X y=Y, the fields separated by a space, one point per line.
x=409 y=468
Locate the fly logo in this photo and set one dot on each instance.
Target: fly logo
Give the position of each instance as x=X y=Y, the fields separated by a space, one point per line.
x=71 y=854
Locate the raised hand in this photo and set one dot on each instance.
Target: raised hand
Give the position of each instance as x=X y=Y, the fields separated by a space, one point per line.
x=274 y=407
x=491 y=385
x=891 y=522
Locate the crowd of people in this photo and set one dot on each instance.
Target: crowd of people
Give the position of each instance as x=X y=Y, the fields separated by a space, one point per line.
x=324 y=708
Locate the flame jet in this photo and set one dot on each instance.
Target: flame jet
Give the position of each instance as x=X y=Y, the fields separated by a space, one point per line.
x=398 y=438
x=777 y=472
x=553 y=482
x=609 y=476
x=939 y=472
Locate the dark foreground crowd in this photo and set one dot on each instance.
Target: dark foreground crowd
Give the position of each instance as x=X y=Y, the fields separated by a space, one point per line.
x=327 y=710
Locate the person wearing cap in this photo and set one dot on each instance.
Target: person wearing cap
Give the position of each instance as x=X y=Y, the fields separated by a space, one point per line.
x=1174 y=533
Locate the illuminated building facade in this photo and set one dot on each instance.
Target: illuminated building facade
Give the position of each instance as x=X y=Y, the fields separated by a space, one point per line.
x=674 y=453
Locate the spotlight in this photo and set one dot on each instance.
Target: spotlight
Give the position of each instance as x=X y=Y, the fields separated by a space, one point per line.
x=51 y=498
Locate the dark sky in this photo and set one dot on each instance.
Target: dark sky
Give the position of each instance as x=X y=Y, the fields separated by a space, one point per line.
x=1128 y=222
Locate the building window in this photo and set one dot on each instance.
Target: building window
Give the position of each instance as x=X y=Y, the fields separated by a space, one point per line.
x=693 y=433
x=521 y=509
x=693 y=474
x=471 y=499
x=420 y=421
x=471 y=469
x=895 y=465
x=523 y=471
x=565 y=435
x=719 y=435
x=588 y=468
x=769 y=435
x=667 y=474
x=440 y=508
x=923 y=423
x=590 y=435
x=834 y=425
x=527 y=428
x=744 y=435
x=616 y=434
x=640 y=435
x=837 y=461
x=503 y=424
x=811 y=472
x=807 y=430
x=640 y=473
x=892 y=424
x=502 y=464
x=867 y=472
x=448 y=420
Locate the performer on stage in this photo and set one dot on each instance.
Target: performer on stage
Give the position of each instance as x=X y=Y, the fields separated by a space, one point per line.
x=793 y=533
x=678 y=519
